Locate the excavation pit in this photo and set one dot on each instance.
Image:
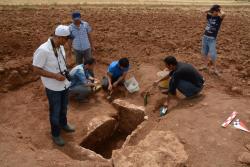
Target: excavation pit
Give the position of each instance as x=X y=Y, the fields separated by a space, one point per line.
x=106 y=134
x=105 y=147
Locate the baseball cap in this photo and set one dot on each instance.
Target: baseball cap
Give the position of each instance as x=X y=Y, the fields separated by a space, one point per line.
x=62 y=31
x=76 y=15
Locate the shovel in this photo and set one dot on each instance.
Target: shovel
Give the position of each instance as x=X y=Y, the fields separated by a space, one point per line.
x=147 y=94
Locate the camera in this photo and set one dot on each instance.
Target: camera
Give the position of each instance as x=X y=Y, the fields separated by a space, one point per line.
x=66 y=74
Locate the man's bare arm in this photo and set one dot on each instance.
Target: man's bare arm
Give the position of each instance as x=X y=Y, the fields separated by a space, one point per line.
x=109 y=78
x=70 y=48
x=222 y=14
x=162 y=79
x=123 y=77
x=44 y=73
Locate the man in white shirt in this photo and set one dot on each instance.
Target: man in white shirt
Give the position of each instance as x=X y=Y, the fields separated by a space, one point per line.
x=49 y=62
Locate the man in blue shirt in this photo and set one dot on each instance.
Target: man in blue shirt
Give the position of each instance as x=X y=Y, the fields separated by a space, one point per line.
x=81 y=41
x=214 y=19
x=117 y=72
x=82 y=81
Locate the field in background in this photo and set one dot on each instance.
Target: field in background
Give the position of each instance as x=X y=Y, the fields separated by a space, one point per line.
x=125 y=2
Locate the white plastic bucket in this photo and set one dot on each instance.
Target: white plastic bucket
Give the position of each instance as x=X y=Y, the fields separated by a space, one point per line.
x=132 y=85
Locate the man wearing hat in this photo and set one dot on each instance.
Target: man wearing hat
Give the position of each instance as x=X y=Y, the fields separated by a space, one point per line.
x=214 y=19
x=80 y=39
x=49 y=62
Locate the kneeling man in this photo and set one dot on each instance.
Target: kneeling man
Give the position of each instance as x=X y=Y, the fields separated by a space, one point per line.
x=82 y=81
x=116 y=75
x=183 y=77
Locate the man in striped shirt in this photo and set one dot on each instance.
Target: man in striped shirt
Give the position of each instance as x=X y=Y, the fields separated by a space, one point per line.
x=80 y=34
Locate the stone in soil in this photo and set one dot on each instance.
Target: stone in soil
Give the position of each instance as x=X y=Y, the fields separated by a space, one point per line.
x=158 y=149
x=244 y=158
x=236 y=89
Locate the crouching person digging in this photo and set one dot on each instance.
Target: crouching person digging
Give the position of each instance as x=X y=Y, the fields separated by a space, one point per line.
x=83 y=83
x=116 y=75
x=49 y=62
x=183 y=77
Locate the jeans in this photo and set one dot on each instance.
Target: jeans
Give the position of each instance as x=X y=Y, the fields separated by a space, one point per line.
x=58 y=102
x=82 y=55
x=209 y=46
x=80 y=91
x=187 y=88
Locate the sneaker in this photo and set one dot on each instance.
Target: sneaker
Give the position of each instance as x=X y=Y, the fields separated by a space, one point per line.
x=58 y=141
x=68 y=128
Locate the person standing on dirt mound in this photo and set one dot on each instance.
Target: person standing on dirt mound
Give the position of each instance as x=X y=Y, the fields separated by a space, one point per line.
x=49 y=62
x=214 y=19
x=183 y=77
x=116 y=75
x=81 y=41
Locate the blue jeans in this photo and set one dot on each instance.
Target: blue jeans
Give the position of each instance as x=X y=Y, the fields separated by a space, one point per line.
x=58 y=102
x=187 y=88
x=209 y=46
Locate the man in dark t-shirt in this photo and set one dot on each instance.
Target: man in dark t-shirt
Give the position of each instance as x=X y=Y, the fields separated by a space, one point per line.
x=214 y=19
x=183 y=77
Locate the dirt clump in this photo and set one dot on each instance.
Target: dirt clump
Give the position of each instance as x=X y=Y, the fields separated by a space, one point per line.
x=158 y=149
x=244 y=158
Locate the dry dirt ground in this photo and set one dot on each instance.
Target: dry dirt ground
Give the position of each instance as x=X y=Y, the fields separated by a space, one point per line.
x=123 y=2
x=145 y=35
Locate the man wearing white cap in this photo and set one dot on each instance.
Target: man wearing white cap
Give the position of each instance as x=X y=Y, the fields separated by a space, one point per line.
x=49 y=62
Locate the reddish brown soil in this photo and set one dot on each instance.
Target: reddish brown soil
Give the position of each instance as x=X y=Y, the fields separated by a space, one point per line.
x=145 y=35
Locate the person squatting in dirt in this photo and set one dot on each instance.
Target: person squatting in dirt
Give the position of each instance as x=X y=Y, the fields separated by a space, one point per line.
x=215 y=17
x=80 y=39
x=116 y=75
x=49 y=62
x=183 y=77
x=83 y=83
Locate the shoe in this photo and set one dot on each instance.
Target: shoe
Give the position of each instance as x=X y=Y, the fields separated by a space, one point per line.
x=58 y=141
x=68 y=128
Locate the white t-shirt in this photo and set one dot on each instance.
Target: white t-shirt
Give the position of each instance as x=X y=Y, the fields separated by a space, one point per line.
x=45 y=58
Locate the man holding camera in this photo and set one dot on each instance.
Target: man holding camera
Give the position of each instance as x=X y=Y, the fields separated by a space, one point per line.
x=49 y=62
x=214 y=19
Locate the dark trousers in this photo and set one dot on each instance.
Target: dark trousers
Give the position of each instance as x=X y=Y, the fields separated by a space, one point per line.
x=82 y=55
x=105 y=82
x=80 y=92
x=187 y=88
x=58 y=102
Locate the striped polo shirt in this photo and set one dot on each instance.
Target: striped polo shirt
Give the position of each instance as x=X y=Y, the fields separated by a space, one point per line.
x=79 y=36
